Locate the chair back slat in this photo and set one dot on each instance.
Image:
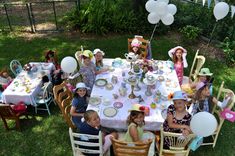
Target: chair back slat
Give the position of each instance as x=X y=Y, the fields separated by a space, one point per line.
x=68 y=117
x=15 y=67
x=130 y=148
x=82 y=142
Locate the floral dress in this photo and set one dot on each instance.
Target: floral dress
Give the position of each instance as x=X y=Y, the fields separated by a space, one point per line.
x=179 y=68
x=184 y=121
x=88 y=74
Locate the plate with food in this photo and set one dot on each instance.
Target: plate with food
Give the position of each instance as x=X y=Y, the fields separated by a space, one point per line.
x=101 y=82
x=110 y=111
x=94 y=101
x=117 y=104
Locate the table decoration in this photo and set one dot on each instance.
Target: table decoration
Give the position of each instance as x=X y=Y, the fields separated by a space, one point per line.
x=131 y=57
x=149 y=80
x=132 y=81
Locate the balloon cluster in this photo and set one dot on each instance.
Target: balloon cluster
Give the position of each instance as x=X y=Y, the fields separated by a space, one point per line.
x=160 y=10
x=221 y=10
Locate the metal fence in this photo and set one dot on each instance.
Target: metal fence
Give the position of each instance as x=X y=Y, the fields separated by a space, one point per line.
x=35 y=16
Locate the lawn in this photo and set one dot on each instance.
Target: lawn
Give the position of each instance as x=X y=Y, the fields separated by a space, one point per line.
x=48 y=135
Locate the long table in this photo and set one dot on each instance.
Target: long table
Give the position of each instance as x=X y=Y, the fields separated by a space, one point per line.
x=156 y=115
x=27 y=85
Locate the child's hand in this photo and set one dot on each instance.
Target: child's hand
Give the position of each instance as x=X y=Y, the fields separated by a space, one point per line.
x=185 y=132
x=186 y=128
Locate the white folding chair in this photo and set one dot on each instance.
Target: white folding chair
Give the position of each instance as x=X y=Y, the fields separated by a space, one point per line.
x=216 y=111
x=82 y=144
x=178 y=144
x=44 y=99
x=15 y=67
x=198 y=62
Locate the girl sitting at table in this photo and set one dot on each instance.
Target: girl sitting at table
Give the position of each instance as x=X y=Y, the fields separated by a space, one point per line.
x=135 y=121
x=87 y=69
x=5 y=79
x=178 y=55
x=135 y=48
x=92 y=126
x=178 y=119
x=204 y=101
x=99 y=61
x=50 y=56
x=203 y=76
x=79 y=104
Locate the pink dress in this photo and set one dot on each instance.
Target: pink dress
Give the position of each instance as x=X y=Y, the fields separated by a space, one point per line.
x=179 y=68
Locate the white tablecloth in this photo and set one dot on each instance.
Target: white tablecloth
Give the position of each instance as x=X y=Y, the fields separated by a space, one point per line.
x=154 y=120
x=16 y=91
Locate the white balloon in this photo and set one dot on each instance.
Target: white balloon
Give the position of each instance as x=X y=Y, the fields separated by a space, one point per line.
x=203 y=124
x=166 y=1
x=167 y=19
x=221 y=10
x=161 y=8
x=153 y=18
x=171 y=8
x=69 y=64
x=150 y=6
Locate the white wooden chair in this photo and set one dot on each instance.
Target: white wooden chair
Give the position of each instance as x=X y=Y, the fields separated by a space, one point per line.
x=198 y=62
x=15 y=67
x=44 y=99
x=216 y=111
x=80 y=143
x=178 y=143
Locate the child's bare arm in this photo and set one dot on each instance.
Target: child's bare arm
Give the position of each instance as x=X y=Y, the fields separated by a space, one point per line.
x=134 y=133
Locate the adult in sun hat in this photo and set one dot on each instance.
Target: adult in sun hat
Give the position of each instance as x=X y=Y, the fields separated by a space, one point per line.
x=99 y=54
x=204 y=101
x=88 y=69
x=178 y=55
x=135 y=48
x=135 y=122
x=79 y=103
x=178 y=119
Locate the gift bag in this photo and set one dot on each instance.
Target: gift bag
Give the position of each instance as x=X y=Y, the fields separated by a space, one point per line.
x=228 y=115
x=196 y=143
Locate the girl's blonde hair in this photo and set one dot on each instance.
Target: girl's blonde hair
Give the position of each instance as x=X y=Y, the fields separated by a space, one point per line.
x=88 y=114
x=132 y=116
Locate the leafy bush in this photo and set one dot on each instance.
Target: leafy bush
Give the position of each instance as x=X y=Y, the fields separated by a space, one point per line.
x=190 y=33
x=228 y=47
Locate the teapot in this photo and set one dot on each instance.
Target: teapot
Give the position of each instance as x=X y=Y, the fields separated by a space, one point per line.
x=131 y=57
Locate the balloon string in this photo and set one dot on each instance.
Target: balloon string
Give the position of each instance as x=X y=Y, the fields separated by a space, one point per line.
x=153 y=33
x=212 y=34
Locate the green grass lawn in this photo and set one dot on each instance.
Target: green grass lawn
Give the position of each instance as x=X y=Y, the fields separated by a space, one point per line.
x=48 y=135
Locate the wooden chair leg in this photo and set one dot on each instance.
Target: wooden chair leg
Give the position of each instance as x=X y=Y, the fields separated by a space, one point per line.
x=5 y=124
x=18 y=124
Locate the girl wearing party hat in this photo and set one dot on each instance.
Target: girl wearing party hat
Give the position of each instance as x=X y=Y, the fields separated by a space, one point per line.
x=135 y=48
x=178 y=55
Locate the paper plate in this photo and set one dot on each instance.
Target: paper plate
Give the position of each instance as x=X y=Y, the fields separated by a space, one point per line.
x=110 y=112
x=94 y=101
x=101 y=82
x=117 y=104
